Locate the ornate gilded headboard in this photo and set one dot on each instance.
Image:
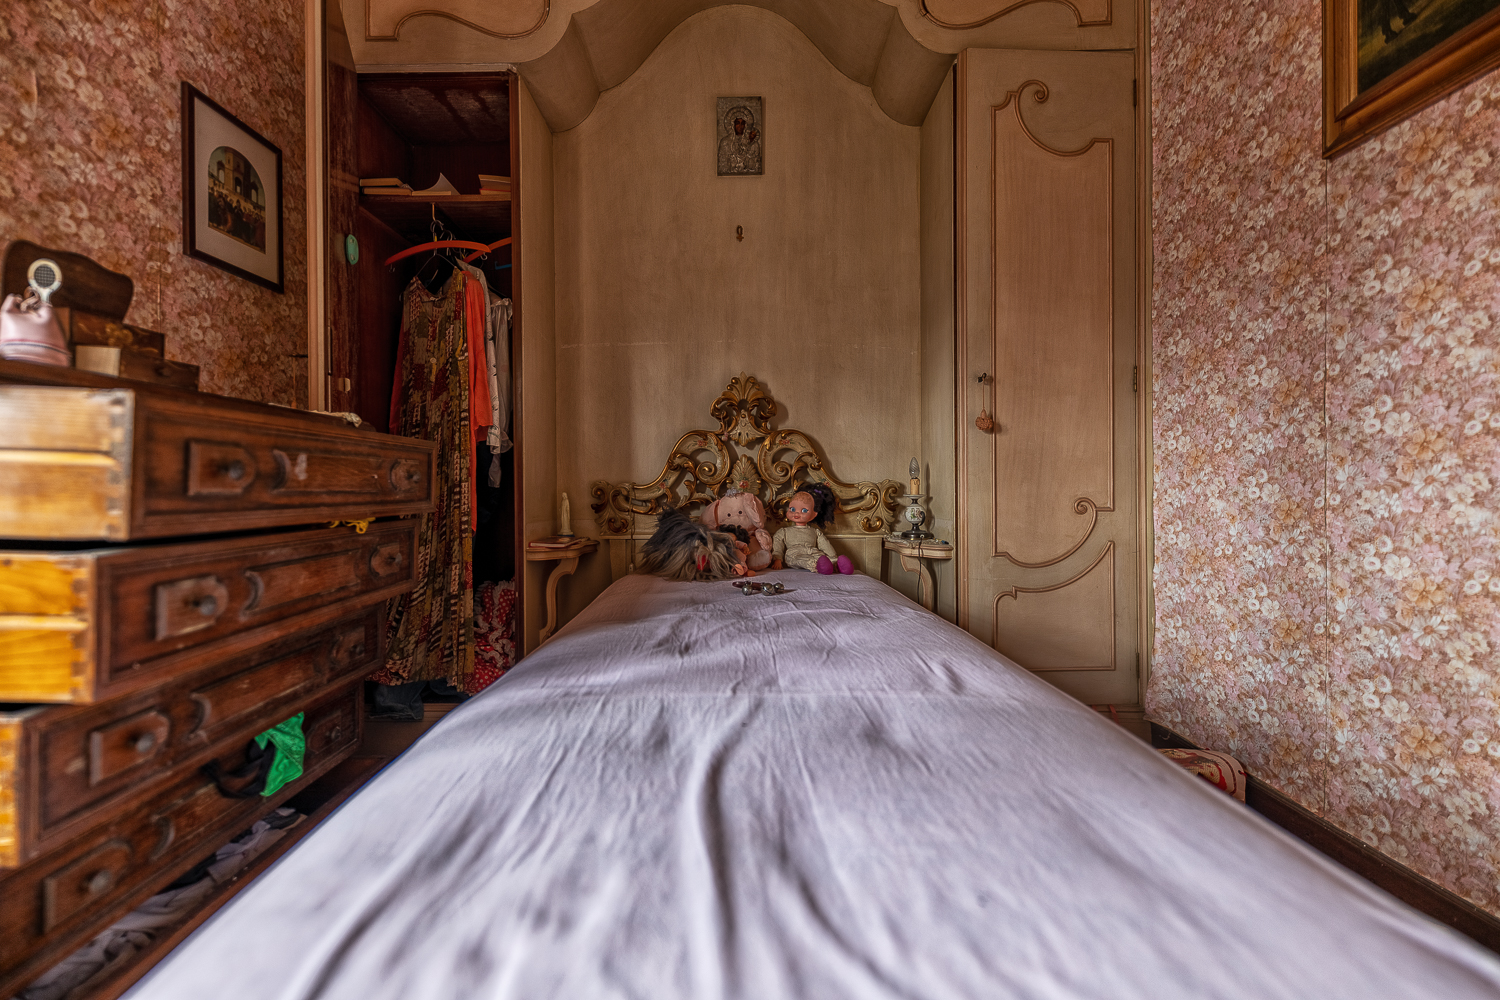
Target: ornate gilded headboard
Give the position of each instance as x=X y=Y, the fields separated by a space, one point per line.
x=744 y=453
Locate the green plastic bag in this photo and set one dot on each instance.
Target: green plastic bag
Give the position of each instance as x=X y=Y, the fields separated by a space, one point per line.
x=290 y=747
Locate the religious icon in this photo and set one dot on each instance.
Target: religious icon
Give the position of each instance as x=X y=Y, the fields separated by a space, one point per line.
x=740 y=135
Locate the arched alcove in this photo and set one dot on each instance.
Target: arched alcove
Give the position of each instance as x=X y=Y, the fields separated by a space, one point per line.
x=570 y=51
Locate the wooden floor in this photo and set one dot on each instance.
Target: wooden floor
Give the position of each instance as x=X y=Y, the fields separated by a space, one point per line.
x=389 y=739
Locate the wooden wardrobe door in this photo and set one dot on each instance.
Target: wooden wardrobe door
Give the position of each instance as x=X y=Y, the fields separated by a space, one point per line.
x=1047 y=319
x=342 y=208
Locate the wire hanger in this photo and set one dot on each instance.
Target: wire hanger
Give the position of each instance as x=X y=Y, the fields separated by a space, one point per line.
x=441 y=240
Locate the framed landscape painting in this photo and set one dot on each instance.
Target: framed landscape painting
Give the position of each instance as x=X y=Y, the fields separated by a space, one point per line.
x=1384 y=59
x=231 y=193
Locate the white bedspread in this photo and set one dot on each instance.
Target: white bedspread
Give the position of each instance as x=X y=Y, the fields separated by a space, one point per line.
x=692 y=793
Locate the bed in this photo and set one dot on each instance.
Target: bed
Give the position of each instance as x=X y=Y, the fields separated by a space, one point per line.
x=692 y=792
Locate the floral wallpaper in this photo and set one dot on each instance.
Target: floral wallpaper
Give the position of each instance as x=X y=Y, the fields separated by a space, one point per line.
x=1327 y=439
x=91 y=162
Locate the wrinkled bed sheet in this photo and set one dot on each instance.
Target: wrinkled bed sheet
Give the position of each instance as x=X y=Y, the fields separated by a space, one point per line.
x=693 y=793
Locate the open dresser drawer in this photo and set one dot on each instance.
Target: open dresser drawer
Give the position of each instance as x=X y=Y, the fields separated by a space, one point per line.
x=73 y=768
x=85 y=626
x=59 y=901
x=120 y=464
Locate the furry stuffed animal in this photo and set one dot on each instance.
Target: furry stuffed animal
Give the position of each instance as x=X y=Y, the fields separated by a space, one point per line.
x=683 y=549
x=742 y=510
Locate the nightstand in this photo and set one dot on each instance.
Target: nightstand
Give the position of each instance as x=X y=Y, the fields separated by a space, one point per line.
x=567 y=561
x=915 y=558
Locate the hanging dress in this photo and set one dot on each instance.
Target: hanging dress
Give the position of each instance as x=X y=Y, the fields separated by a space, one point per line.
x=430 y=629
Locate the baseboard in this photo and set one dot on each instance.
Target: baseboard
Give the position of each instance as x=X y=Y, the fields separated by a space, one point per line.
x=1416 y=891
x=1131 y=718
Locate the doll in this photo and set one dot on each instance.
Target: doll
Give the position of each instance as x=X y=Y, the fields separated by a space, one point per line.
x=742 y=510
x=802 y=543
x=743 y=545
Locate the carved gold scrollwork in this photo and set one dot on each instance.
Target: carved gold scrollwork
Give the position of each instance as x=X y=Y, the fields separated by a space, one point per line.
x=683 y=480
x=744 y=410
x=745 y=476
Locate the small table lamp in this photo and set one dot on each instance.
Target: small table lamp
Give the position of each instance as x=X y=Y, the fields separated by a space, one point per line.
x=914 y=514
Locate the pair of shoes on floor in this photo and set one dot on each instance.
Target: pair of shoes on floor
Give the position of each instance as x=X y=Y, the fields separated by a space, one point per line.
x=827 y=566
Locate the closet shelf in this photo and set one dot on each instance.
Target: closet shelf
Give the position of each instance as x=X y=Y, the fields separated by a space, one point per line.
x=484 y=217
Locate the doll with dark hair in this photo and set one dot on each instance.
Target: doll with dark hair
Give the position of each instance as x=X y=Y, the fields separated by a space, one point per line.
x=802 y=543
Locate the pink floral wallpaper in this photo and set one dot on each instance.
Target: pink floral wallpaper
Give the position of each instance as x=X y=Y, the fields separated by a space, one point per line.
x=1327 y=439
x=90 y=161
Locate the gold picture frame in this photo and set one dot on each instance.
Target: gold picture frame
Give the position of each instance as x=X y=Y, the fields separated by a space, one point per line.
x=1386 y=59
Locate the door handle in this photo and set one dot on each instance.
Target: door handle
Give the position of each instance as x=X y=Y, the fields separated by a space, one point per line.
x=984 y=421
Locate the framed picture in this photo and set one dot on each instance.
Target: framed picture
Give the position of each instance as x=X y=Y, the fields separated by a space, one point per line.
x=231 y=193
x=740 y=136
x=1384 y=59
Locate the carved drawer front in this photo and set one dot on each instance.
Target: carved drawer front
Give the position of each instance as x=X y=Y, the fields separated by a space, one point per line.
x=73 y=887
x=127 y=745
x=77 y=766
x=85 y=626
x=64 y=897
x=120 y=464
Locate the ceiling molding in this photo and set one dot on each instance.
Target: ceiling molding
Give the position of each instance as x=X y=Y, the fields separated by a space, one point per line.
x=509 y=19
x=608 y=41
x=570 y=51
x=965 y=15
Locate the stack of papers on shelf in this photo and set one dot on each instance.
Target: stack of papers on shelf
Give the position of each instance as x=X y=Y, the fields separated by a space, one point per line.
x=493 y=184
x=443 y=186
x=383 y=185
x=394 y=185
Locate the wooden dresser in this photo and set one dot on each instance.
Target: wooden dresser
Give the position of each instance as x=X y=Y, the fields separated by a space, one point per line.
x=170 y=586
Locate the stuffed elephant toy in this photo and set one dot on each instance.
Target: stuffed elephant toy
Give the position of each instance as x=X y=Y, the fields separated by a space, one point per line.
x=742 y=510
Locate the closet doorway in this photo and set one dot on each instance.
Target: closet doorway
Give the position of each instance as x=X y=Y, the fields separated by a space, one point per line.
x=389 y=138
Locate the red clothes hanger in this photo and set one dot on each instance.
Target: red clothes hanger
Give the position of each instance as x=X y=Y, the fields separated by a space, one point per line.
x=485 y=249
x=441 y=245
x=480 y=249
x=443 y=240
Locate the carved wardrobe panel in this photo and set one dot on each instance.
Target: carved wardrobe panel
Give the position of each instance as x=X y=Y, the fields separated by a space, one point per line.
x=1047 y=358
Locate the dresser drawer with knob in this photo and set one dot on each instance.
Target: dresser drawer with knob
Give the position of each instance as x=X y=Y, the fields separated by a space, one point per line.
x=75 y=766
x=120 y=464
x=60 y=900
x=85 y=626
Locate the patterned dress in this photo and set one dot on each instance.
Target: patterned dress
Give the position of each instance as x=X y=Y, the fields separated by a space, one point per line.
x=430 y=630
